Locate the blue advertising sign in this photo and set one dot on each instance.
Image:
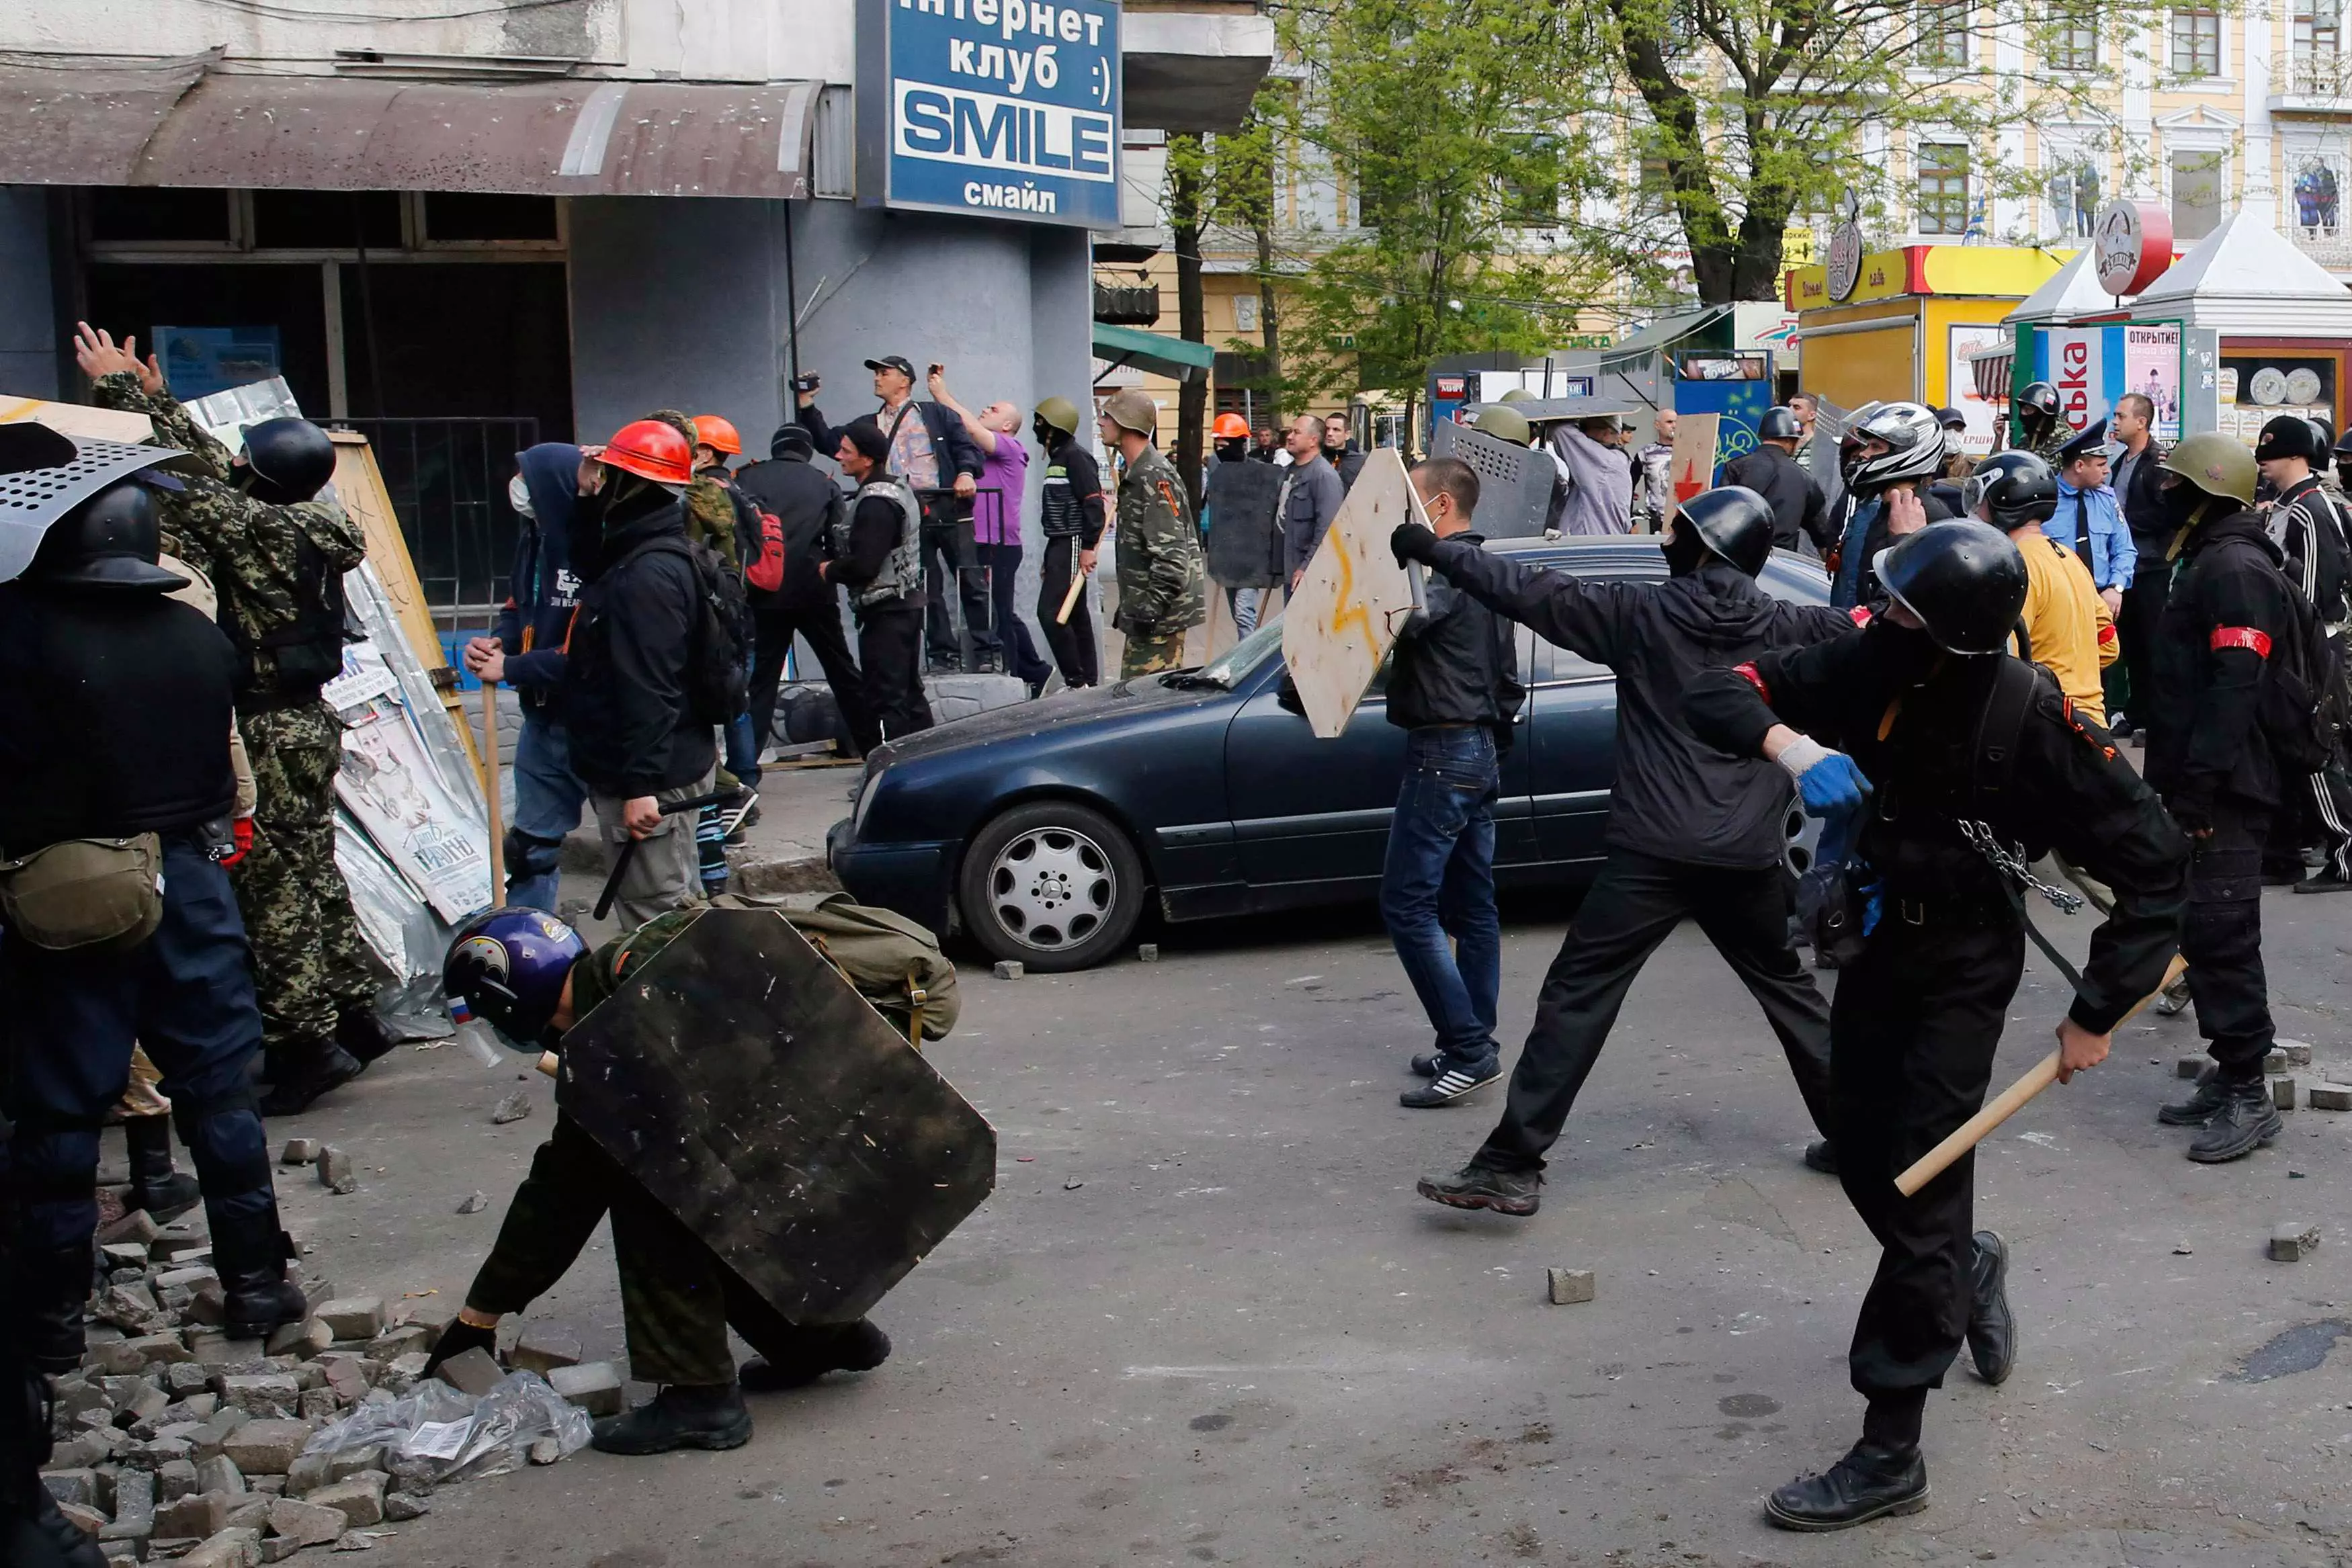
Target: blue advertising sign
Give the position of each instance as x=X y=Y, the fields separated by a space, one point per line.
x=1000 y=108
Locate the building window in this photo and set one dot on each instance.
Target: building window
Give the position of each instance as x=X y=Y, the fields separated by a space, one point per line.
x=2315 y=199
x=2315 y=34
x=2196 y=44
x=2074 y=190
x=2196 y=194
x=1942 y=32
x=2074 y=39
x=1943 y=188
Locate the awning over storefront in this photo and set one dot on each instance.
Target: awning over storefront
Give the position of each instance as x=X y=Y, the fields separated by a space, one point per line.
x=1659 y=335
x=179 y=122
x=1173 y=357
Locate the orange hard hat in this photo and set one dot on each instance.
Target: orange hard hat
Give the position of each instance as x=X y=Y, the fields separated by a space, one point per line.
x=1230 y=427
x=718 y=434
x=651 y=449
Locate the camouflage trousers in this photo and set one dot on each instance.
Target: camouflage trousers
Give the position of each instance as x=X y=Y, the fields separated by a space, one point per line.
x=1145 y=656
x=308 y=961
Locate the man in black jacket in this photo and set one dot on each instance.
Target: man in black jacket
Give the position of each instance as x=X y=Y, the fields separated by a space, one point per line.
x=1071 y=514
x=804 y=605
x=874 y=557
x=1950 y=734
x=2308 y=524
x=2207 y=755
x=1452 y=688
x=1773 y=472
x=928 y=450
x=1340 y=451
x=636 y=741
x=1693 y=834
x=115 y=711
x=2138 y=470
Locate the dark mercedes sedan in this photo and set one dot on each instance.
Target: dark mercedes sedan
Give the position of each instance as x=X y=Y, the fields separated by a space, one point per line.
x=1045 y=829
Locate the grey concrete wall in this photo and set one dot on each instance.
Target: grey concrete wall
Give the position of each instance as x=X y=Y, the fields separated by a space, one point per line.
x=29 y=349
x=681 y=303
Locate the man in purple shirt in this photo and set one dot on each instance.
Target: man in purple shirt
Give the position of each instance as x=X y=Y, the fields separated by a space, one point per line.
x=996 y=530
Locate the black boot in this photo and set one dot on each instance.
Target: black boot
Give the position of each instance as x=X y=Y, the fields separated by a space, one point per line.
x=249 y=1253
x=299 y=1078
x=54 y=1289
x=1477 y=1187
x=33 y=1533
x=363 y=1034
x=2197 y=1109
x=459 y=1338
x=812 y=1353
x=155 y=1186
x=2245 y=1123
x=680 y=1416
x=1871 y=1482
x=1992 y=1327
x=1820 y=1154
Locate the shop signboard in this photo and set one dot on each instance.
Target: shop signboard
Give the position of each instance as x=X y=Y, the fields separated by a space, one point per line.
x=2092 y=366
x=997 y=109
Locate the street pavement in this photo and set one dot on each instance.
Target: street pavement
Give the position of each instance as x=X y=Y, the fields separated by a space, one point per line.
x=1204 y=1318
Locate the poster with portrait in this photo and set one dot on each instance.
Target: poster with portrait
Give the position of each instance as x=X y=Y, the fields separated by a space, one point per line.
x=2152 y=369
x=1964 y=341
x=390 y=786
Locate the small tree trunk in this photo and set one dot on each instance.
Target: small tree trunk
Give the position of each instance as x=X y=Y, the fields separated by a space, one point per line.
x=1191 y=313
x=1270 y=320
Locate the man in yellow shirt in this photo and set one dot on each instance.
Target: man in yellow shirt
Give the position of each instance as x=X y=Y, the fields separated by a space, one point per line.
x=2066 y=626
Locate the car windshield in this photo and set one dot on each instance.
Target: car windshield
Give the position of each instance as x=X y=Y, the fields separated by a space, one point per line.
x=1245 y=656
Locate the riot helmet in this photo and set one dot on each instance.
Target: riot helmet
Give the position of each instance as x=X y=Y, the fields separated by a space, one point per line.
x=1133 y=411
x=2205 y=475
x=1964 y=580
x=2038 y=406
x=1730 y=522
x=1914 y=442
x=1058 y=413
x=508 y=968
x=1779 y=423
x=2016 y=487
x=290 y=460
x=109 y=541
x=1504 y=423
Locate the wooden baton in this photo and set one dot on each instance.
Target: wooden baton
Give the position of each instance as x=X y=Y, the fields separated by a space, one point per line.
x=491 y=791
x=1977 y=1128
x=1070 y=600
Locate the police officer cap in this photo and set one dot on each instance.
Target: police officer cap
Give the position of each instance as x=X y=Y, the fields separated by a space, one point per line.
x=1734 y=522
x=507 y=967
x=2085 y=443
x=109 y=541
x=291 y=457
x=2038 y=397
x=1504 y=423
x=1964 y=580
x=1779 y=424
x=2289 y=436
x=1132 y=410
x=1059 y=413
x=2016 y=487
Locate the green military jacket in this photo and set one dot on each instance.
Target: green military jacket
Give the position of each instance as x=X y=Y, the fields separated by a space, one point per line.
x=248 y=548
x=1161 y=587
x=599 y=974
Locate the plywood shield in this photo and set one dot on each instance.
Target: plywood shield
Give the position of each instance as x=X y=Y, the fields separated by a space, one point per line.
x=765 y=1102
x=1693 y=464
x=1352 y=597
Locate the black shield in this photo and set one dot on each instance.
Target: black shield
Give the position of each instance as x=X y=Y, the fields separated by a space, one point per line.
x=760 y=1100
x=1245 y=546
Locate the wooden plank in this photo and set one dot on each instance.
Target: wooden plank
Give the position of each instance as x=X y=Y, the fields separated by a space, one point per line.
x=78 y=419
x=1352 y=597
x=359 y=485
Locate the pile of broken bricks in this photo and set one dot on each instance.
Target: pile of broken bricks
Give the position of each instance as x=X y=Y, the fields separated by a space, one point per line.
x=174 y=1441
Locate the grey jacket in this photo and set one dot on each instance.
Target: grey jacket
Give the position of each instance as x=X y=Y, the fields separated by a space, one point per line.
x=1311 y=496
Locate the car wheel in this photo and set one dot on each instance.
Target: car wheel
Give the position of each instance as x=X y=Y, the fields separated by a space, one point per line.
x=1052 y=884
x=1804 y=840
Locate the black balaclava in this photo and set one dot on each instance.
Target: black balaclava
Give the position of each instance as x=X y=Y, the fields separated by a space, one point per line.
x=1684 y=550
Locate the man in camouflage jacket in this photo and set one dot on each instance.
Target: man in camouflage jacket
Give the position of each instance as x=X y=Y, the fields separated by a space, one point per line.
x=1161 y=593
x=311 y=970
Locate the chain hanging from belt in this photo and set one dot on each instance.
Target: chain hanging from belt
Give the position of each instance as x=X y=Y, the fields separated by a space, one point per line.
x=2011 y=864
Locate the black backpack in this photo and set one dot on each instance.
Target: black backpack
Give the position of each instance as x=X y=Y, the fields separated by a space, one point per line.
x=2302 y=705
x=717 y=682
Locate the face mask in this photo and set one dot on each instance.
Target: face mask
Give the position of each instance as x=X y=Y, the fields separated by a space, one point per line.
x=2179 y=504
x=519 y=496
x=1683 y=552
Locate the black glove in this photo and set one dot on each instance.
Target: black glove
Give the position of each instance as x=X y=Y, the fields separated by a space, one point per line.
x=459 y=1337
x=1412 y=542
x=2194 y=814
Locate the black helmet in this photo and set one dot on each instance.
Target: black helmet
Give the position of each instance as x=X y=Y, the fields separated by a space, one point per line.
x=291 y=459
x=2289 y=436
x=1732 y=521
x=2325 y=432
x=110 y=540
x=1964 y=580
x=2040 y=398
x=2018 y=487
x=1779 y=425
x=2342 y=447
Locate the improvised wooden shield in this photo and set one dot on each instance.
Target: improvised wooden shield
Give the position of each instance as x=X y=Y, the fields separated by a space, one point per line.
x=1691 y=467
x=1244 y=541
x=1352 y=597
x=760 y=1100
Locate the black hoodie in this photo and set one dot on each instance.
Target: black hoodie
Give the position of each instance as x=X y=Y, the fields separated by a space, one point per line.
x=624 y=677
x=1675 y=797
x=2226 y=609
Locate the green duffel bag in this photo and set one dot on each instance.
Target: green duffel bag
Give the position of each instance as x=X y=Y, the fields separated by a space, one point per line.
x=84 y=892
x=894 y=962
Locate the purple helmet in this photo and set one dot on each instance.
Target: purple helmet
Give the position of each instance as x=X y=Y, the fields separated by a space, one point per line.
x=507 y=967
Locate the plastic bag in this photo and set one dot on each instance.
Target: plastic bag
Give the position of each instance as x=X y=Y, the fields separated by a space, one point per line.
x=434 y=1434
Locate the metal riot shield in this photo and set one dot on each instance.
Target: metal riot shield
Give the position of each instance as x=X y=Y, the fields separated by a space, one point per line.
x=1514 y=482
x=1244 y=540
x=44 y=474
x=765 y=1102
x=1829 y=424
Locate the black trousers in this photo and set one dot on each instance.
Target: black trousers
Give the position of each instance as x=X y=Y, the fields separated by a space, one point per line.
x=1912 y=1036
x=2222 y=937
x=774 y=626
x=947 y=549
x=1003 y=563
x=1074 y=646
x=1633 y=905
x=890 y=659
x=2136 y=630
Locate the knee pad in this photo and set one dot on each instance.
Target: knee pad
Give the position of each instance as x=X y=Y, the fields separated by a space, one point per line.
x=226 y=1139
x=526 y=855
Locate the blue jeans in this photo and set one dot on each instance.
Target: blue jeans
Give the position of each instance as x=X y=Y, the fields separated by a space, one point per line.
x=1439 y=881
x=746 y=734
x=548 y=798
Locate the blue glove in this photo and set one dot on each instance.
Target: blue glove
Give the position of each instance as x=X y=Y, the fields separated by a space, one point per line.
x=1840 y=829
x=1829 y=782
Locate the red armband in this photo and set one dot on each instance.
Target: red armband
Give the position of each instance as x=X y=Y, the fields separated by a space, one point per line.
x=1859 y=615
x=1747 y=673
x=2106 y=634
x=2252 y=638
